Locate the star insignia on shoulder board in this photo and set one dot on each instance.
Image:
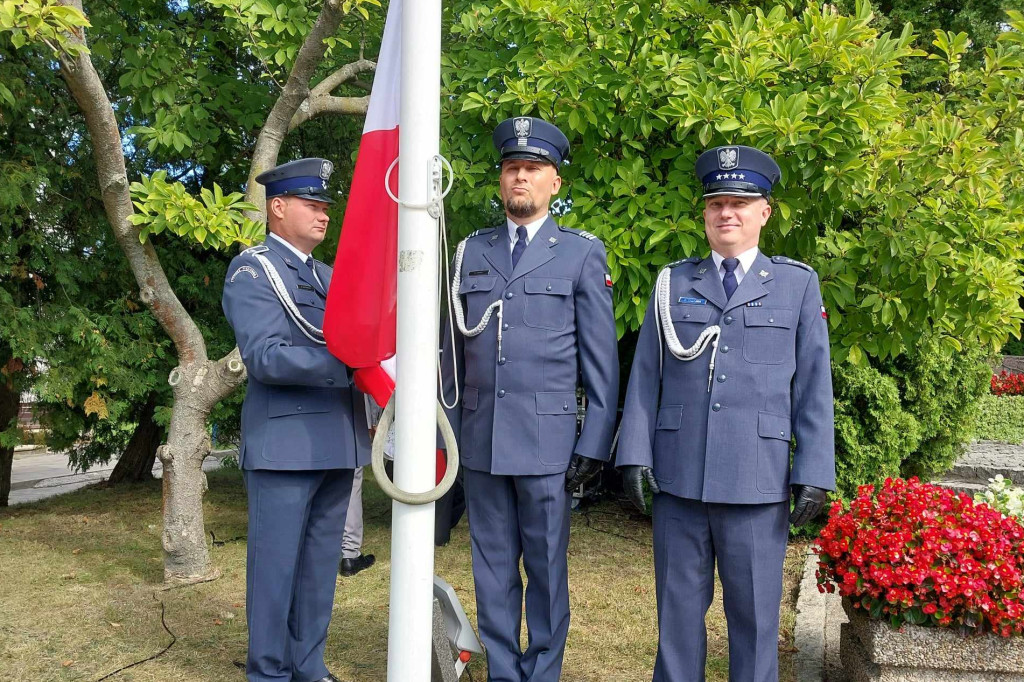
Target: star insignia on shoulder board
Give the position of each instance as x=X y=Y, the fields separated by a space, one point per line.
x=763 y=273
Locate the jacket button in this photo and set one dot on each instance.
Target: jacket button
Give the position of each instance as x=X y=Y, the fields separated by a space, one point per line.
x=687 y=315
x=509 y=295
x=473 y=287
x=721 y=378
x=501 y=361
x=548 y=287
x=724 y=349
x=330 y=382
x=728 y=319
x=782 y=433
x=565 y=407
x=771 y=320
x=716 y=407
x=298 y=408
x=504 y=327
x=501 y=393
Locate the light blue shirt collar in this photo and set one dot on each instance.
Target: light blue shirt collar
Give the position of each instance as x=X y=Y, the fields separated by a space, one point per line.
x=746 y=262
x=531 y=230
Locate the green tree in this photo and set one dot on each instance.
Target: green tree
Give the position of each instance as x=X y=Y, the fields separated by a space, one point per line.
x=906 y=202
x=192 y=80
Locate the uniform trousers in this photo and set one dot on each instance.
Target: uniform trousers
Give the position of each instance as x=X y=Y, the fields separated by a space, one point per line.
x=296 y=520
x=528 y=517
x=748 y=542
x=352 y=542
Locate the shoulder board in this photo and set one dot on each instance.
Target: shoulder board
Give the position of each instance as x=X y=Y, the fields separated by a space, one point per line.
x=578 y=233
x=477 y=233
x=789 y=261
x=253 y=250
x=691 y=259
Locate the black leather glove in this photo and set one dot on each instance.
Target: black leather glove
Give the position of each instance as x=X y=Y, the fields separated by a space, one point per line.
x=807 y=503
x=581 y=469
x=633 y=478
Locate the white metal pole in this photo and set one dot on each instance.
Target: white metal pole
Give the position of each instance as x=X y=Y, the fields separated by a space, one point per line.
x=412 y=540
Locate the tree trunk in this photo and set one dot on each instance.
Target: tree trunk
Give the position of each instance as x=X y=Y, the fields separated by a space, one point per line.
x=136 y=462
x=9 y=403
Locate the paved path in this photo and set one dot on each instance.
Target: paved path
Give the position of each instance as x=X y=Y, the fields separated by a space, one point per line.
x=38 y=474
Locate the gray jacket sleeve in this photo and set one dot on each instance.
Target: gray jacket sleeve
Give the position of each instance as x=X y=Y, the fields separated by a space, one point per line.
x=640 y=413
x=598 y=353
x=813 y=411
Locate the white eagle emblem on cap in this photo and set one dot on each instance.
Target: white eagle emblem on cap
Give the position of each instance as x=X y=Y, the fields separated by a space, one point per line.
x=728 y=158
x=523 y=127
x=326 y=168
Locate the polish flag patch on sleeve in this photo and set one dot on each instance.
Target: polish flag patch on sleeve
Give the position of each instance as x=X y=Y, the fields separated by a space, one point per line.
x=608 y=281
x=824 y=313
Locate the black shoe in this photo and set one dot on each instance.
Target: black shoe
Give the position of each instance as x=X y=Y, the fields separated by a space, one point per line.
x=349 y=567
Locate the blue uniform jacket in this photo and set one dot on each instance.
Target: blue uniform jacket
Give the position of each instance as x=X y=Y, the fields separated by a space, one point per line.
x=772 y=382
x=517 y=412
x=301 y=411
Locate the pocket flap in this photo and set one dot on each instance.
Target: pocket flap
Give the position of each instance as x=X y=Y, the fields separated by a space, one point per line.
x=670 y=418
x=556 y=402
x=557 y=286
x=773 y=426
x=690 y=313
x=284 y=402
x=768 y=317
x=470 y=397
x=477 y=283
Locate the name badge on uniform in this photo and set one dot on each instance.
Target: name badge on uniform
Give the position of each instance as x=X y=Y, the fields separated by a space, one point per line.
x=478 y=272
x=692 y=301
x=306 y=287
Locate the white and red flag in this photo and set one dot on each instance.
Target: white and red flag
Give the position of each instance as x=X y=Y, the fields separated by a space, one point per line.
x=359 y=322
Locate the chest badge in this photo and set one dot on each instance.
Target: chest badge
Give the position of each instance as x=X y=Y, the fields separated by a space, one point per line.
x=754 y=304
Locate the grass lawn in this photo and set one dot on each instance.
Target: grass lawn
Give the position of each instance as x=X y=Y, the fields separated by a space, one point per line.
x=81 y=578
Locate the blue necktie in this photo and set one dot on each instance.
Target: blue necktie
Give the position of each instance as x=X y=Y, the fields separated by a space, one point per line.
x=729 y=281
x=517 y=250
x=312 y=270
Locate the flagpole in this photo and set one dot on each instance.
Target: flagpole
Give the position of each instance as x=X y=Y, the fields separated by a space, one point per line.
x=412 y=543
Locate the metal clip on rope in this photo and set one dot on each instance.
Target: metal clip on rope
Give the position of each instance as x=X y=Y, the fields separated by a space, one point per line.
x=709 y=336
x=377 y=461
x=433 y=207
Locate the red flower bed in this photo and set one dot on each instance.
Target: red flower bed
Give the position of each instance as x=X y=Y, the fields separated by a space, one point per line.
x=1005 y=383
x=919 y=553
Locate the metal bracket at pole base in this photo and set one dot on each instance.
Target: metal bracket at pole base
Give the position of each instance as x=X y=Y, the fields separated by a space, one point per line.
x=377 y=461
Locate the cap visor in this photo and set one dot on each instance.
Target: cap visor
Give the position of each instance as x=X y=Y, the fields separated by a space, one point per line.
x=734 y=193
x=315 y=197
x=528 y=156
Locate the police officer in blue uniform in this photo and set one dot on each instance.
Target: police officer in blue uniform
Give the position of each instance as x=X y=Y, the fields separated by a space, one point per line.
x=533 y=312
x=732 y=363
x=303 y=429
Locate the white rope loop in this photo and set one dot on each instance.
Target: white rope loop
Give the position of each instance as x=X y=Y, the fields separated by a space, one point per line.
x=709 y=336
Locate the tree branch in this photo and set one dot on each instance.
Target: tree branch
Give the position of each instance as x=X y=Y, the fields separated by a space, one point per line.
x=294 y=93
x=155 y=291
x=342 y=75
x=318 y=106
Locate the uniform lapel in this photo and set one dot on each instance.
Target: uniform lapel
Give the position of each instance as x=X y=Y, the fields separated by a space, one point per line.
x=293 y=263
x=752 y=287
x=497 y=252
x=708 y=284
x=538 y=252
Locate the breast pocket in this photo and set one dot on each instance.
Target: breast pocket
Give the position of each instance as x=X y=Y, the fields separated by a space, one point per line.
x=768 y=335
x=548 y=303
x=689 y=321
x=286 y=401
x=479 y=293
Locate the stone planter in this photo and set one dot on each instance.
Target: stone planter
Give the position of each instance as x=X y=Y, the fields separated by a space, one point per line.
x=872 y=651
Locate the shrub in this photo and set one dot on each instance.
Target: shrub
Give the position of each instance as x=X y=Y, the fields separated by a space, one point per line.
x=1001 y=418
x=1004 y=497
x=1006 y=383
x=873 y=431
x=921 y=554
x=909 y=416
